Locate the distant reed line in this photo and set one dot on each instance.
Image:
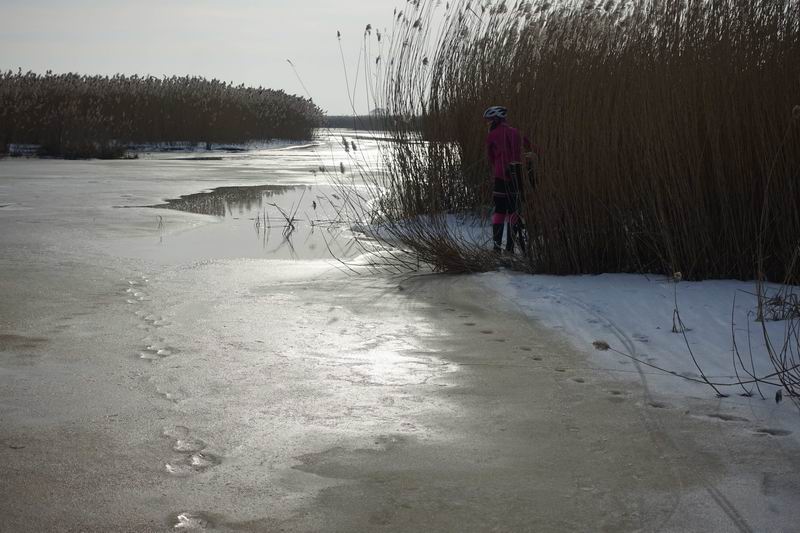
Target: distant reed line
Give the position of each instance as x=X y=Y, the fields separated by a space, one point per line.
x=75 y=115
x=670 y=131
x=355 y=122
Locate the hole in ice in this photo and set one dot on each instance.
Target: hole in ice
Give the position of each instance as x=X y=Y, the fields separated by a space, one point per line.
x=225 y=201
x=773 y=432
x=727 y=418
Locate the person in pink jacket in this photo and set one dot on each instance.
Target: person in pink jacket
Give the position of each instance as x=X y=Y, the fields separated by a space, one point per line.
x=504 y=147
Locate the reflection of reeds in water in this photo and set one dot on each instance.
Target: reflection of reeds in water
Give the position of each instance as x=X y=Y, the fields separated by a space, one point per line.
x=315 y=227
x=224 y=201
x=666 y=126
x=288 y=223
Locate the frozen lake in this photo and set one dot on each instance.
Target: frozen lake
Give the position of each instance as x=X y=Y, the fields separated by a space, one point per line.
x=160 y=319
x=174 y=357
x=96 y=206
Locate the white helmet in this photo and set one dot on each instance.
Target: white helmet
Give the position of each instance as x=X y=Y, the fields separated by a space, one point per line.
x=496 y=112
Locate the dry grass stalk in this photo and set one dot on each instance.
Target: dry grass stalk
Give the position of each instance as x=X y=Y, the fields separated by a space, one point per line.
x=664 y=126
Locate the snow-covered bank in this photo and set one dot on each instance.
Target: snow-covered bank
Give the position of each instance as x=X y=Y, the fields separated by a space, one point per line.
x=634 y=315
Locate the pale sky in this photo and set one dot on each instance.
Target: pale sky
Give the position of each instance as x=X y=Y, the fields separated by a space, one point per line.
x=244 y=41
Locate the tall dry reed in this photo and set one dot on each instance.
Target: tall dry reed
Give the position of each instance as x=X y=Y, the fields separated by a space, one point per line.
x=69 y=113
x=667 y=128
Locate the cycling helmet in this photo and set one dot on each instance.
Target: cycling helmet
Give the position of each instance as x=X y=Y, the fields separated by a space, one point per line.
x=496 y=112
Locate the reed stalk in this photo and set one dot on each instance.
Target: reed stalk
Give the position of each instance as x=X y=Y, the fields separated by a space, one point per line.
x=74 y=115
x=667 y=128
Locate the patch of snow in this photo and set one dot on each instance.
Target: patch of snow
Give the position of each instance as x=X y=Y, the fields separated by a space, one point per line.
x=22 y=150
x=634 y=315
x=466 y=230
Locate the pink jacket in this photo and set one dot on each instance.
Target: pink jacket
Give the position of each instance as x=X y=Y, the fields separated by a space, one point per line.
x=504 y=145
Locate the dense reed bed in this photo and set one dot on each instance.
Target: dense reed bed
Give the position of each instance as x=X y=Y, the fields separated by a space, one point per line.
x=72 y=115
x=670 y=131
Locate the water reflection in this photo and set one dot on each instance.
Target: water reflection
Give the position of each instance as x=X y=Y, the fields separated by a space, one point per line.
x=224 y=201
x=288 y=222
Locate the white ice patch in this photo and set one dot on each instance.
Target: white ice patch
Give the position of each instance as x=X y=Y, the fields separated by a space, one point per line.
x=634 y=315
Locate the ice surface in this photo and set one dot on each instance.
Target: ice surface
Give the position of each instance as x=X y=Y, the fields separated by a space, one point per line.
x=167 y=369
x=117 y=319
